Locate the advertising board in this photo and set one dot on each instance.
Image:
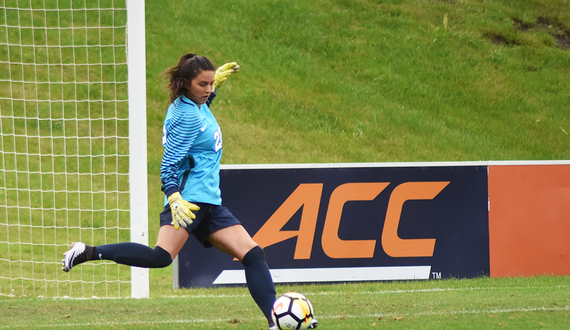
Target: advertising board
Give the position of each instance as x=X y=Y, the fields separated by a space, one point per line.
x=352 y=223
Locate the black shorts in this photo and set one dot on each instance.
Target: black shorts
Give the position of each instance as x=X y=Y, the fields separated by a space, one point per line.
x=209 y=219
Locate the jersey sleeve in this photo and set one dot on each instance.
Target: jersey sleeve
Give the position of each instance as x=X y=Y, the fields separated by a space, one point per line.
x=180 y=133
x=211 y=98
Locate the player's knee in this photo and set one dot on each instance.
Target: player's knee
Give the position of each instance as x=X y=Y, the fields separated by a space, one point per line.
x=254 y=255
x=161 y=258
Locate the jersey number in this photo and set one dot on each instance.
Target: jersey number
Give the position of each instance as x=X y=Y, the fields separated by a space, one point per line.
x=218 y=138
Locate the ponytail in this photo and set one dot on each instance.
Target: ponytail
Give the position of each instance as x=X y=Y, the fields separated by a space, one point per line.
x=189 y=66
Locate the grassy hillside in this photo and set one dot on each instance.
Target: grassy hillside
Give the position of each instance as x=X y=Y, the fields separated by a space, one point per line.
x=372 y=81
x=376 y=81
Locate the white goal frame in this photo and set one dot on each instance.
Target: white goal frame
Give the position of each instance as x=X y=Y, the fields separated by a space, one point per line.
x=136 y=60
x=73 y=144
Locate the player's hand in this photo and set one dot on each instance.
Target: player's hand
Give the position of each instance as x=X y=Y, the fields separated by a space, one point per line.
x=223 y=73
x=182 y=215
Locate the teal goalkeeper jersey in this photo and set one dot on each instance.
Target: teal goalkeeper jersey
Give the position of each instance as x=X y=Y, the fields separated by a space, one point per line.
x=192 y=141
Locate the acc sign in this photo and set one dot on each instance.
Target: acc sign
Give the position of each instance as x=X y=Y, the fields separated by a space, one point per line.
x=307 y=197
x=353 y=224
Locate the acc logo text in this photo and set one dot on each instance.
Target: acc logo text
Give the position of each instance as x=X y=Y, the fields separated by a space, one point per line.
x=308 y=196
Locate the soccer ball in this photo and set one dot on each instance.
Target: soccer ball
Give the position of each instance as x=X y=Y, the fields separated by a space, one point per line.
x=292 y=311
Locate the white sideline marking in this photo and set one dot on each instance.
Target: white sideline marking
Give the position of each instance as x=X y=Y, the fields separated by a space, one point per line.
x=194 y=321
x=308 y=293
x=474 y=312
x=338 y=274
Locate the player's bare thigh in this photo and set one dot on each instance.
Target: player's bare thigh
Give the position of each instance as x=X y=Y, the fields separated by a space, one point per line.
x=172 y=240
x=233 y=240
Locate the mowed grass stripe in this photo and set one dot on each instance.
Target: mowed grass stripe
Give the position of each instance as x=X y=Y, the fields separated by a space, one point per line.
x=320 y=317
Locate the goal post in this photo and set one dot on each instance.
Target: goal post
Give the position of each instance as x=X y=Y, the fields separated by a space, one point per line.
x=73 y=160
x=137 y=139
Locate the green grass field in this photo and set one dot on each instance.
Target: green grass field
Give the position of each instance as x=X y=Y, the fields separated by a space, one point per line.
x=320 y=81
x=483 y=303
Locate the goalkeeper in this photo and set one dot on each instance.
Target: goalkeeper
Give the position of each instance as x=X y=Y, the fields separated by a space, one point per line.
x=189 y=172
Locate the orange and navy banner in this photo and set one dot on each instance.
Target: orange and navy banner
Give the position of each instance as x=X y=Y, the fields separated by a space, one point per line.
x=353 y=223
x=406 y=221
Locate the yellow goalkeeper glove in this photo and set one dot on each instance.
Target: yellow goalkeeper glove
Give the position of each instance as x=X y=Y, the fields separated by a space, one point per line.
x=224 y=72
x=182 y=215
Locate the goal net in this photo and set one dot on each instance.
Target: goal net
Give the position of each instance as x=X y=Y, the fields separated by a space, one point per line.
x=66 y=171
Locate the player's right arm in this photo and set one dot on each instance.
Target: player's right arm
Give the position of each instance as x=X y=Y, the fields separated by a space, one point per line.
x=179 y=133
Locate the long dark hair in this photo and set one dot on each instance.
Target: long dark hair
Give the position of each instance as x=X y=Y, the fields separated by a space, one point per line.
x=189 y=66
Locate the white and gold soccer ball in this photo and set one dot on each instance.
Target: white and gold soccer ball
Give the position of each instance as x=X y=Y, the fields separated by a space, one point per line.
x=293 y=311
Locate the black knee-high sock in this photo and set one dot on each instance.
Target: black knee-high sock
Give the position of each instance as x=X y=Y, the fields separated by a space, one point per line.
x=259 y=281
x=133 y=254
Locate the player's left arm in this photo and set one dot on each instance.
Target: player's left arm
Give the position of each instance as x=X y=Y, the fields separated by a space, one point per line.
x=223 y=73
